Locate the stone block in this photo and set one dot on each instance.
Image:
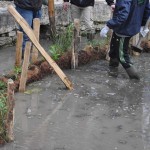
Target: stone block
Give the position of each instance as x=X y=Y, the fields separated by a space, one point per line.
x=5 y=41
x=102 y=13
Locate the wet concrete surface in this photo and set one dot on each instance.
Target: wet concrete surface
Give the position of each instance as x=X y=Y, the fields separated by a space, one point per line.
x=101 y=113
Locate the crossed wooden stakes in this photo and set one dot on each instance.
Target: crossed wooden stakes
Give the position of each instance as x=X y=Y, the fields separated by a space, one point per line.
x=34 y=36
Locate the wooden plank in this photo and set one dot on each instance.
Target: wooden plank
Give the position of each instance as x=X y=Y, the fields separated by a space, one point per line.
x=27 y=29
x=36 y=30
x=10 y=115
x=25 y=66
x=18 y=58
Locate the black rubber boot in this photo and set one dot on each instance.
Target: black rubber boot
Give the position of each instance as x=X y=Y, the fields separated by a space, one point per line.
x=132 y=73
x=114 y=62
x=113 y=71
x=113 y=67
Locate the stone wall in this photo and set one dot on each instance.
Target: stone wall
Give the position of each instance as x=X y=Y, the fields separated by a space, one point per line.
x=8 y=25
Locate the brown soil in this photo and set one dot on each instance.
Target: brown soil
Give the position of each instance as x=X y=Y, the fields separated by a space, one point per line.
x=41 y=68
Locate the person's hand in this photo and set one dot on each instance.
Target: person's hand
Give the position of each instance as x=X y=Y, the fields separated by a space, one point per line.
x=144 y=31
x=66 y=5
x=104 y=31
x=112 y=7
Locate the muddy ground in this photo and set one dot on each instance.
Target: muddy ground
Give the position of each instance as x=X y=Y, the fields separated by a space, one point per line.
x=101 y=113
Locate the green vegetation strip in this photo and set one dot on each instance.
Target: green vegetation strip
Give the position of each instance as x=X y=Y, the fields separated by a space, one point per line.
x=3 y=111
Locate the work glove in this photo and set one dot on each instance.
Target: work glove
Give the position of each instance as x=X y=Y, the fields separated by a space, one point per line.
x=144 y=31
x=66 y=5
x=104 y=31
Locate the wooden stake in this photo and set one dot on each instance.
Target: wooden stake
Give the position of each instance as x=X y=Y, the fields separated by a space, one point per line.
x=76 y=44
x=135 y=40
x=51 y=12
x=25 y=66
x=27 y=29
x=36 y=30
x=11 y=110
x=19 y=49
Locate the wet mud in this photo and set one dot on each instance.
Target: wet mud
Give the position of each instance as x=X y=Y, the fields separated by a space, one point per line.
x=101 y=113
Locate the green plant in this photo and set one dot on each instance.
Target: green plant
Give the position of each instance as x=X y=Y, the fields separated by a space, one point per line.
x=17 y=71
x=3 y=113
x=62 y=42
x=54 y=51
x=99 y=42
x=3 y=106
x=2 y=85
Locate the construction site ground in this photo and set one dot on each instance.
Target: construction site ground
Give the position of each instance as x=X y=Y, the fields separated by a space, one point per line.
x=101 y=113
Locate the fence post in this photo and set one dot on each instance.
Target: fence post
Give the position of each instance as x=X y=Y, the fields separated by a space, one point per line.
x=36 y=30
x=75 y=43
x=11 y=110
x=25 y=66
x=19 y=49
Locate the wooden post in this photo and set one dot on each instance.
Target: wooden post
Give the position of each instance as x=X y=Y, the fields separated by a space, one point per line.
x=25 y=66
x=135 y=40
x=36 y=30
x=19 y=49
x=51 y=12
x=11 y=110
x=27 y=29
x=76 y=43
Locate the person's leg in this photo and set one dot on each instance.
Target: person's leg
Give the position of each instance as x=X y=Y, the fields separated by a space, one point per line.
x=87 y=15
x=75 y=12
x=114 y=61
x=125 y=59
x=28 y=16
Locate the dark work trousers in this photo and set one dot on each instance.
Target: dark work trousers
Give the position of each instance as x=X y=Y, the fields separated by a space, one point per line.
x=119 y=51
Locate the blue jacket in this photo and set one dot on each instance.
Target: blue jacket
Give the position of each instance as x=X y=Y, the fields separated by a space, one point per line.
x=129 y=16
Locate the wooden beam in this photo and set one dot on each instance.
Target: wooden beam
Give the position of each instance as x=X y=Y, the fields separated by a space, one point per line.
x=27 y=29
x=19 y=49
x=25 y=66
x=36 y=30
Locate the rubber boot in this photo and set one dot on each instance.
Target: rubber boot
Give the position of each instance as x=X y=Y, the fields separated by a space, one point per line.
x=113 y=67
x=132 y=73
x=113 y=71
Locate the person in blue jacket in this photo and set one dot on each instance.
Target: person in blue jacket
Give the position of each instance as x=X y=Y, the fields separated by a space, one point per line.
x=128 y=18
